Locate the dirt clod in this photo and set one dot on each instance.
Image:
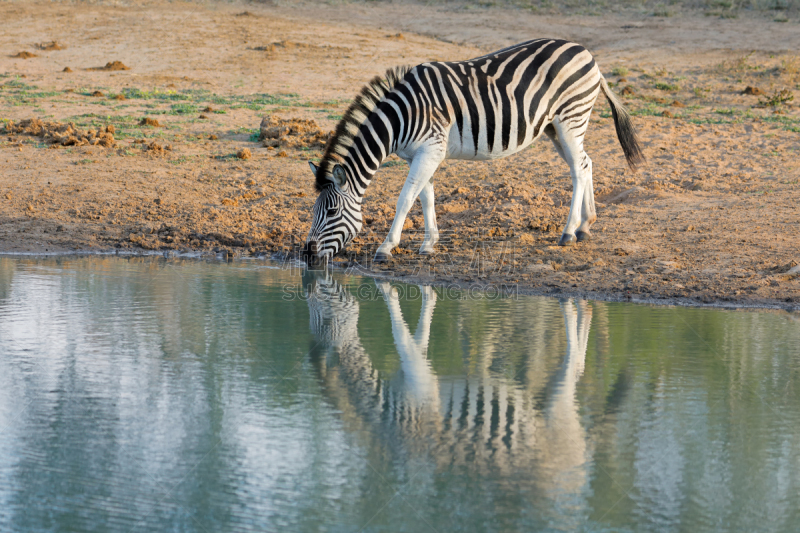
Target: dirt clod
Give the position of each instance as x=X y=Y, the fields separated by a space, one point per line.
x=67 y=69
x=24 y=55
x=292 y=133
x=203 y=116
x=119 y=96
x=244 y=153
x=57 y=133
x=677 y=103
x=627 y=91
x=112 y=66
x=155 y=148
x=97 y=93
x=753 y=91
x=212 y=137
x=147 y=121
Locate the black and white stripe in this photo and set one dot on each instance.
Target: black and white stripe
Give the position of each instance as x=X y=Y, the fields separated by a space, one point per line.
x=485 y=108
x=480 y=419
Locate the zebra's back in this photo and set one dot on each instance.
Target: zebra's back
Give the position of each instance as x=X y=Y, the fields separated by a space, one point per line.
x=495 y=105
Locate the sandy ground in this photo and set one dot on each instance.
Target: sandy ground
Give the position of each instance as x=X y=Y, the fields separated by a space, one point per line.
x=712 y=219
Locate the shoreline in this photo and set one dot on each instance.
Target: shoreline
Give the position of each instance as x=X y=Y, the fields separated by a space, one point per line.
x=498 y=290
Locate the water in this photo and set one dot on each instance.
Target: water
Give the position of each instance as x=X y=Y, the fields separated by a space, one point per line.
x=143 y=394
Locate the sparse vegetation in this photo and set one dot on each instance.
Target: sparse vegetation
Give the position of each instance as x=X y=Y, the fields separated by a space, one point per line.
x=671 y=87
x=778 y=98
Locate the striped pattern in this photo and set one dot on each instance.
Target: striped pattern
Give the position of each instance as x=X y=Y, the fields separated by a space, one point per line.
x=485 y=108
x=481 y=420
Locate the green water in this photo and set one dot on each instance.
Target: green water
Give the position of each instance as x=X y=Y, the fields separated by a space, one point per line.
x=146 y=394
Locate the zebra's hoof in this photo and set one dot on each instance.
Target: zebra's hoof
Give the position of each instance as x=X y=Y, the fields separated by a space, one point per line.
x=583 y=235
x=381 y=257
x=426 y=252
x=567 y=239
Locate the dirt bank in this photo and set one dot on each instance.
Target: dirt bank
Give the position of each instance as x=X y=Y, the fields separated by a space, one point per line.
x=174 y=152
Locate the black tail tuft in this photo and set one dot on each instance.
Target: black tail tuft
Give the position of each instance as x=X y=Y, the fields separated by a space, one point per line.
x=625 y=130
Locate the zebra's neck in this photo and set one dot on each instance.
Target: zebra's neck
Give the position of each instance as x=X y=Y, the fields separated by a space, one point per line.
x=366 y=134
x=371 y=146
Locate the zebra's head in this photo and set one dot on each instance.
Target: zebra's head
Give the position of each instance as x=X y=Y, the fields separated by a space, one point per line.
x=337 y=216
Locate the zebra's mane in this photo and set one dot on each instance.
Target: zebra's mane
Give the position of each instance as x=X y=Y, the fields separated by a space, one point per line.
x=363 y=104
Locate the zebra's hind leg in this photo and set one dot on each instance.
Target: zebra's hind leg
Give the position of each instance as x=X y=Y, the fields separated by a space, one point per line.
x=431 y=229
x=588 y=211
x=569 y=138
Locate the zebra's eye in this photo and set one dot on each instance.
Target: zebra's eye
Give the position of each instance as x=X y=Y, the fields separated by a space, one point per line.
x=331 y=212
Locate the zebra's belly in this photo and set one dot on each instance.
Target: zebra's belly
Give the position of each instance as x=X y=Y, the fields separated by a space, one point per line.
x=457 y=149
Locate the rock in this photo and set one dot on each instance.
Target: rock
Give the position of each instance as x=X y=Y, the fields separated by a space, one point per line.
x=792 y=273
x=752 y=91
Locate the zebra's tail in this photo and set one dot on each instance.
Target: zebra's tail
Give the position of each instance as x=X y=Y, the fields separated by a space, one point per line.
x=625 y=131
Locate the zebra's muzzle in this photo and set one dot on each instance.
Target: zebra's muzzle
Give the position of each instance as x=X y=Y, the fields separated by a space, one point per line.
x=309 y=252
x=312 y=253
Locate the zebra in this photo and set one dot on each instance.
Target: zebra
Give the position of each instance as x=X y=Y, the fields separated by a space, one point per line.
x=481 y=109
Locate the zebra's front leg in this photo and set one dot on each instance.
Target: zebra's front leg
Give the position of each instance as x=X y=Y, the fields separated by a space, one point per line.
x=431 y=229
x=423 y=166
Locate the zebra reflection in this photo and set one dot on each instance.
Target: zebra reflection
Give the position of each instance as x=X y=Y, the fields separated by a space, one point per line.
x=481 y=421
x=352 y=382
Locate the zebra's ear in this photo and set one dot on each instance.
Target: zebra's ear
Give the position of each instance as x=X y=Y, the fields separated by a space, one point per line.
x=314 y=168
x=339 y=176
